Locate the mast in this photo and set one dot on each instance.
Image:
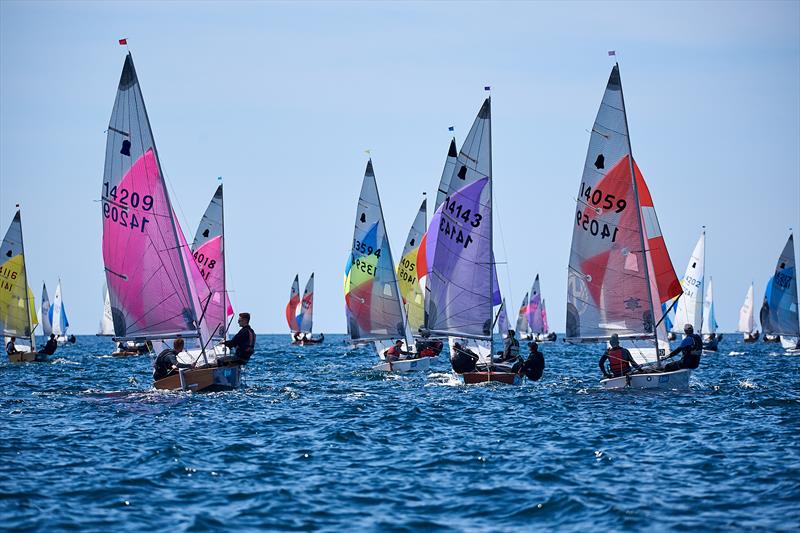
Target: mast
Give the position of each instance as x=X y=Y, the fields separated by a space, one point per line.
x=32 y=337
x=639 y=218
x=224 y=268
x=171 y=215
x=491 y=225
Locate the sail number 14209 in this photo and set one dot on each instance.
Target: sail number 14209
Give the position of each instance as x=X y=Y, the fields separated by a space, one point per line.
x=116 y=204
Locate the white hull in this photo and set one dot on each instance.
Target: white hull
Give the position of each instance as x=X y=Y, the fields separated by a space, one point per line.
x=678 y=379
x=789 y=343
x=405 y=365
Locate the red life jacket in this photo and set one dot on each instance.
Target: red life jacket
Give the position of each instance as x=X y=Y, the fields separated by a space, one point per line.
x=392 y=351
x=619 y=365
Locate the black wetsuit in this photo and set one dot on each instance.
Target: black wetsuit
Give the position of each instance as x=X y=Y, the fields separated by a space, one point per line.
x=534 y=366
x=463 y=360
x=50 y=347
x=164 y=363
x=244 y=342
x=691 y=353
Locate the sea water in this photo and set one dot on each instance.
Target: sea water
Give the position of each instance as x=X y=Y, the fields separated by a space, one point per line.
x=316 y=440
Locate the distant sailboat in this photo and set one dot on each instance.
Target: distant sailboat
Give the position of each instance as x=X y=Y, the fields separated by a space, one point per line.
x=58 y=318
x=537 y=317
x=373 y=302
x=303 y=314
x=709 y=328
x=44 y=313
x=746 y=321
x=620 y=272
x=208 y=251
x=17 y=307
x=106 y=322
x=779 y=314
x=502 y=320
x=523 y=330
x=156 y=289
x=689 y=309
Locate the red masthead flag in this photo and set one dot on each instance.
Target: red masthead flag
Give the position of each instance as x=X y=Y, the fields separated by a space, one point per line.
x=123 y=41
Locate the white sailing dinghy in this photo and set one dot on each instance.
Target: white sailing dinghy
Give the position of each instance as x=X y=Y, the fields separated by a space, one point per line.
x=620 y=272
x=502 y=320
x=709 y=330
x=779 y=316
x=44 y=313
x=689 y=308
x=156 y=289
x=373 y=303
x=17 y=308
x=106 y=328
x=305 y=318
x=747 y=326
x=58 y=318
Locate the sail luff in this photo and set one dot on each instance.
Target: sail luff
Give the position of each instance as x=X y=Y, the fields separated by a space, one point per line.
x=28 y=293
x=639 y=213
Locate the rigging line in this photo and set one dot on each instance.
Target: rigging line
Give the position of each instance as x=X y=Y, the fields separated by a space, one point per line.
x=496 y=217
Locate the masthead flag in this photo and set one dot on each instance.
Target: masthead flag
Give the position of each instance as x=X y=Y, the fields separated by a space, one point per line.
x=612 y=52
x=451 y=129
x=123 y=42
x=487 y=88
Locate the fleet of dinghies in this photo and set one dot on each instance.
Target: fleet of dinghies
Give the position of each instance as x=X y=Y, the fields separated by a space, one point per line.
x=621 y=281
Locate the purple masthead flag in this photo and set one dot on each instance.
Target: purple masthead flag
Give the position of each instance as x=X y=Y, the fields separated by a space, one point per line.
x=612 y=52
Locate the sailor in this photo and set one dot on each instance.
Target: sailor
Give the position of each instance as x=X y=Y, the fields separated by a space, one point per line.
x=463 y=359
x=511 y=348
x=167 y=361
x=619 y=359
x=394 y=352
x=50 y=347
x=691 y=347
x=11 y=348
x=244 y=342
x=534 y=365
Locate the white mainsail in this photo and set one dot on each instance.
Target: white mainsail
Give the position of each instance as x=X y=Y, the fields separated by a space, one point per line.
x=746 y=321
x=709 y=321
x=690 y=307
x=44 y=312
x=107 y=322
x=58 y=315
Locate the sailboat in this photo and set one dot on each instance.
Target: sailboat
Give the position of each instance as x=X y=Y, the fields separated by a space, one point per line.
x=537 y=316
x=689 y=308
x=106 y=328
x=156 y=289
x=58 y=318
x=411 y=289
x=302 y=312
x=620 y=272
x=44 y=313
x=373 y=302
x=709 y=329
x=17 y=309
x=462 y=287
x=208 y=251
x=502 y=320
x=747 y=325
x=523 y=330
x=779 y=316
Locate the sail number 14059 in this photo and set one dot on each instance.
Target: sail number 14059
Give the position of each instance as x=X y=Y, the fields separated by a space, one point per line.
x=592 y=226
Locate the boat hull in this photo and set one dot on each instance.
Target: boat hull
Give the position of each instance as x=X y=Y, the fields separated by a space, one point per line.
x=750 y=337
x=405 y=365
x=28 y=357
x=475 y=378
x=679 y=379
x=202 y=379
x=790 y=343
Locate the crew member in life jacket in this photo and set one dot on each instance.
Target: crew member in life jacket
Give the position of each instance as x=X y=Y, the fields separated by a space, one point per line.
x=167 y=361
x=11 y=348
x=534 y=365
x=463 y=359
x=619 y=359
x=244 y=342
x=50 y=347
x=691 y=347
x=394 y=352
x=510 y=350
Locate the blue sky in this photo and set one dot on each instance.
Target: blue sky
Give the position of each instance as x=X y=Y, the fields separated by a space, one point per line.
x=282 y=99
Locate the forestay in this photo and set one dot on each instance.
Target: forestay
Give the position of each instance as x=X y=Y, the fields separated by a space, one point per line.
x=461 y=274
x=144 y=252
x=17 y=309
x=779 y=311
x=372 y=297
